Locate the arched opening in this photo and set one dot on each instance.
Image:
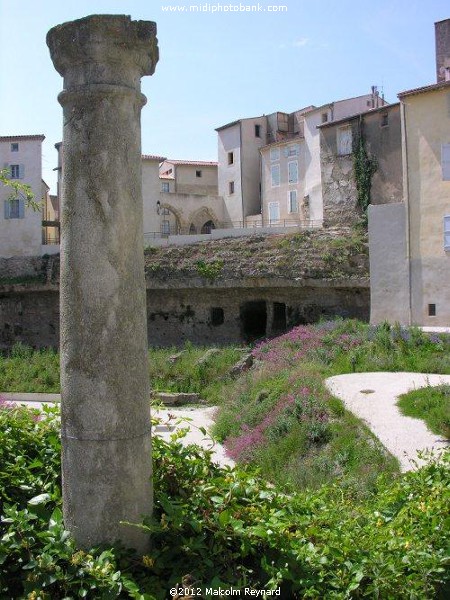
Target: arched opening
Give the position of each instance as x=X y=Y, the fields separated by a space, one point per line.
x=208 y=226
x=169 y=221
x=253 y=317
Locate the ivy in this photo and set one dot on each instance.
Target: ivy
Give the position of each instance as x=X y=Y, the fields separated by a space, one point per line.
x=364 y=166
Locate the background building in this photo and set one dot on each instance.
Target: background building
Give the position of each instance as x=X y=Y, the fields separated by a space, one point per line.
x=21 y=226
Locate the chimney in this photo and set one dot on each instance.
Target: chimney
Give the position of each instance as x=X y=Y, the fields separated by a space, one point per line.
x=442 y=35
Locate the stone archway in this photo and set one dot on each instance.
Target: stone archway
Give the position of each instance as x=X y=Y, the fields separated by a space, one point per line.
x=204 y=219
x=207 y=227
x=171 y=220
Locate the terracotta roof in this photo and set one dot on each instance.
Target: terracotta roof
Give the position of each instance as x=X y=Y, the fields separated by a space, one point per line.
x=427 y=88
x=18 y=138
x=200 y=163
x=153 y=157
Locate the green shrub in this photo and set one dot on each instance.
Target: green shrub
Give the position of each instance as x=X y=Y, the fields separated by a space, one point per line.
x=218 y=528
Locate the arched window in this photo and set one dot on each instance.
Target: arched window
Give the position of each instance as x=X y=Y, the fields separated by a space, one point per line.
x=208 y=226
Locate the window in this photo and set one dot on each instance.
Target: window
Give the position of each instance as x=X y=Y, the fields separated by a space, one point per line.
x=198 y=173
x=275 y=175
x=230 y=158
x=274 y=212
x=447 y=233
x=258 y=131
x=292 y=150
x=217 y=316
x=432 y=310
x=16 y=171
x=344 y=140
x=165 y=186
x=15 y=147
x=384 y=121
x=165 y=227
x=274 y=154
x=15 y=209
x=292 y=201
x=324 y=117
x=231 y=187
x=293 y=171
x=445 y=162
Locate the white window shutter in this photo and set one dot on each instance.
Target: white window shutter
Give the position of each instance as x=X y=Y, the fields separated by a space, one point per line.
x=274 y=212
x=445 y=162
x=447 y=232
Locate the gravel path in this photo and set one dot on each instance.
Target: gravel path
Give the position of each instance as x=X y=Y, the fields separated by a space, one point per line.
x=171 y=419
x=373 y=396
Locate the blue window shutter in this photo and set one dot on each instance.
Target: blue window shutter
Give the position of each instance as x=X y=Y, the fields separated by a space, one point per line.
x=7 y=209
x=8 y=171
x=21 y=208
x=21 y=171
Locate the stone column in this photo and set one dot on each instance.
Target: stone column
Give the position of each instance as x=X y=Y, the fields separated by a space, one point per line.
x=106 y=457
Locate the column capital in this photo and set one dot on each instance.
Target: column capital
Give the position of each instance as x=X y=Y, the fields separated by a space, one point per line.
x=103 y=49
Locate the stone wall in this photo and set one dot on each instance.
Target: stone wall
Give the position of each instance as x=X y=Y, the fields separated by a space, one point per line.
x=202 y=315
x=381 y=129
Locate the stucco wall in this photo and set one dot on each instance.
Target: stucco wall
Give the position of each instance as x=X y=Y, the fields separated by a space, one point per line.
x=389 y=273
x=22 y=237
x=151 y=187
x=187 y=182
x=229 y=140
x=279 y=193
x=250 y=157
x=427 y=125
x=313 y=179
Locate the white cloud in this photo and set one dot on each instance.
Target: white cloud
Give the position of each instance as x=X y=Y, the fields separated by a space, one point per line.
x=300 y=42
x=295 y=44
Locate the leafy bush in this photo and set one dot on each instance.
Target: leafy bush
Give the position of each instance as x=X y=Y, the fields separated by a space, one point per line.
x=218 y=528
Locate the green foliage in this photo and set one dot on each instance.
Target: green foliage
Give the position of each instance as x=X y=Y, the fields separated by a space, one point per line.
x=19 y=190
x=364 y=166
x=224 y=528
x=210 y=270
x=28 y=370
x=432 y=404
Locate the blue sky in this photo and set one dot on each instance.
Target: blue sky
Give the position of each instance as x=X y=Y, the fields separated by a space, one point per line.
x=218 y=66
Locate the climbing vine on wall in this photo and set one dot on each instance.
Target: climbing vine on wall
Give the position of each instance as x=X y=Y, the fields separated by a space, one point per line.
x=364 y=166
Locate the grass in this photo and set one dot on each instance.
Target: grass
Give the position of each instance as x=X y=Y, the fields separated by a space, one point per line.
x=193 y=369
x=432 y=404
x=279 y=416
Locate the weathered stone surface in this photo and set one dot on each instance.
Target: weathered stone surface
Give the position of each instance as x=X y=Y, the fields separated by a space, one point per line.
x=207 y=356
x=176 y=398
x=106 y=457
x=242 y=365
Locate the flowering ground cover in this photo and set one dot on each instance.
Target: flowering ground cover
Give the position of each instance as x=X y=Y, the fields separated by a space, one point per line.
x=280 y=417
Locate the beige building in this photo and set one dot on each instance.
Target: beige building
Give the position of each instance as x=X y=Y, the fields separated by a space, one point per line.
x=180 y=197
x=410 y=241
x=21 y=226
x=291 y=171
